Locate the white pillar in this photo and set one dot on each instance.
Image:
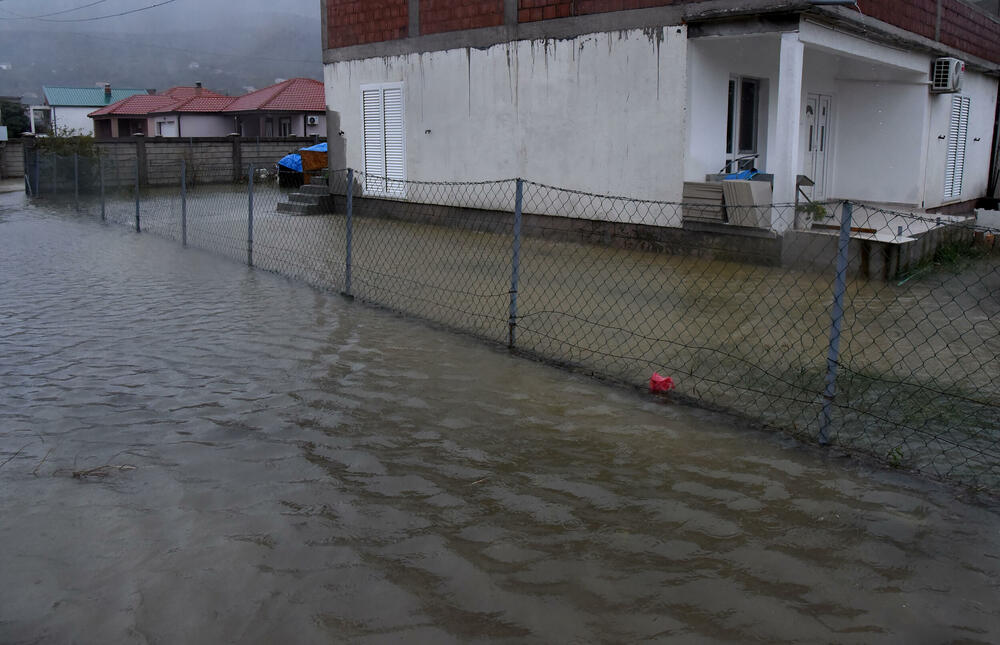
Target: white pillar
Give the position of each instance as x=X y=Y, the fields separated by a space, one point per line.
x=784 y=161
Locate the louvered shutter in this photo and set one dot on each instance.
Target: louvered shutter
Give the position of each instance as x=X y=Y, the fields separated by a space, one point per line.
x=374 y=144
x=384 y=139
x=395 y=162
x=958 y=137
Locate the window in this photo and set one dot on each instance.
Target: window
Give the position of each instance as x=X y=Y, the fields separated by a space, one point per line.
x=159 y=128
x=741 y=124
x=958 y=137
x=268 y=127
x=384 y=139
x=285 y=127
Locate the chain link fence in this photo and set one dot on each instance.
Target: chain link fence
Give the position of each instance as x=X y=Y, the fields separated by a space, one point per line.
x=870 y=329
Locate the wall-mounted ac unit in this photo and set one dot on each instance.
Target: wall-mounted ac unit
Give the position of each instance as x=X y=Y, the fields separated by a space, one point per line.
x=946 y=75
x=312 y=120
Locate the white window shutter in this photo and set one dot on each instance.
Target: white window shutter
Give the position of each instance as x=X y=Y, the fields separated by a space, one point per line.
x=374 y=143
x=395 y=154
x=958 y=137
x=384 y=139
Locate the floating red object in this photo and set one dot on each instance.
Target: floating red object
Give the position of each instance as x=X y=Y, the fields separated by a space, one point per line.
x=659 y=383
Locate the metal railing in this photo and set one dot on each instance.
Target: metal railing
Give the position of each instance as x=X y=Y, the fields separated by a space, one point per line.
x=869 y=329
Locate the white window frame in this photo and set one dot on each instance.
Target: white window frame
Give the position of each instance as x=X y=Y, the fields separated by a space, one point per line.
x=388 y=187
x=733 y=125
x=285 y=126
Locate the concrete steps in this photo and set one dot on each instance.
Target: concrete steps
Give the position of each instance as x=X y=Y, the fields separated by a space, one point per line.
x=310 y=199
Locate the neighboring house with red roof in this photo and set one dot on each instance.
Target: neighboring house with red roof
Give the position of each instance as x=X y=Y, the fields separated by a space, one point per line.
x=296 y=107
x=292 y=108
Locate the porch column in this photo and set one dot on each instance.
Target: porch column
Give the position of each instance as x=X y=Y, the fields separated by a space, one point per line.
x=784 y=162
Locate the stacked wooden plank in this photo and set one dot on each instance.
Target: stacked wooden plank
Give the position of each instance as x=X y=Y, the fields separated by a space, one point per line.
x=748 y=203
x=703 y=201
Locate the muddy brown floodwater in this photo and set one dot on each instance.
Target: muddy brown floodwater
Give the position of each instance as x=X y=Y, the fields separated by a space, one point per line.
x=197 y=452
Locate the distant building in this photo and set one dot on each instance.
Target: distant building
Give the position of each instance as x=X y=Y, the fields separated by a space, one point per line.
x=70 y=105
x=292 y=108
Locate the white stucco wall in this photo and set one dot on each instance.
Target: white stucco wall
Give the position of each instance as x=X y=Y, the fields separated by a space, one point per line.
x=601 y=112
x=205 y=125
x=880 y=140
x=74 y=118
x=982 y=91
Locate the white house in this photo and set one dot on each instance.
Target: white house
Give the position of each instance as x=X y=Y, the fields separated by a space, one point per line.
x=638 y=102
x=70 y=106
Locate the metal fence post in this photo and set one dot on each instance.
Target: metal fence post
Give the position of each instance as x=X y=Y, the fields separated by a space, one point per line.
x=250 y=219
x=76 y=181
x=184 y=204
x=138 y=226
x=100 y=167
x=38 y=174
x=837 y=318
x=55 y=174
x=350 y=233
x=515 y=271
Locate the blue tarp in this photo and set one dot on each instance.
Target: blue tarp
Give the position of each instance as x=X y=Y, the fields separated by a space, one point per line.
x=292 y=162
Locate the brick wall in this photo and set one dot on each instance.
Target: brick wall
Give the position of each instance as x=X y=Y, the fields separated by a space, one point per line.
x=437 y=16
x=965 y=28
x=355 y=22
x=918 y=16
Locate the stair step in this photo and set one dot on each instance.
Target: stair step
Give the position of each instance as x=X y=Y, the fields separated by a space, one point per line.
x=303 y=198
x=296 y=209
x=313 y=189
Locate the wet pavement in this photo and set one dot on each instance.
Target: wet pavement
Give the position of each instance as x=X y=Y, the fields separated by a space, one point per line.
x=192 y=451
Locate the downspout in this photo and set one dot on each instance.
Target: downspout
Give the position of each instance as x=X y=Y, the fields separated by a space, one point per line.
x=179 y=135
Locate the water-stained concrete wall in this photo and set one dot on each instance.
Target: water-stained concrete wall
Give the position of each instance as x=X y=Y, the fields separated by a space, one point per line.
x=603 y=112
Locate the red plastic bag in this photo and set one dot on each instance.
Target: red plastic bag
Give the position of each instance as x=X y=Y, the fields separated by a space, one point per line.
x=659 y=383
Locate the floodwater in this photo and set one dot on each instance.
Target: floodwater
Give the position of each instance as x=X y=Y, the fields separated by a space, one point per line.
x=197 y=452
x=918 y=382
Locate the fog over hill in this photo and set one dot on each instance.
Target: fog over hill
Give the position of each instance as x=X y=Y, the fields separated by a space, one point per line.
x=230 y=46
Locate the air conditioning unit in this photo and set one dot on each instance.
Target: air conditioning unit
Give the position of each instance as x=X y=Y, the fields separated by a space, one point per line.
x=312 y=120
x=946 y=75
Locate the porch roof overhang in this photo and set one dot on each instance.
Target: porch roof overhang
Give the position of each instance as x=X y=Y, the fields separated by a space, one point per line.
x=800 y=16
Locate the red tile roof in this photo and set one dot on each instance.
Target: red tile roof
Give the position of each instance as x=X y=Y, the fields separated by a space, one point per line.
x=183 y=92
x=138 y=105
x=214 y=103
x=293 y=95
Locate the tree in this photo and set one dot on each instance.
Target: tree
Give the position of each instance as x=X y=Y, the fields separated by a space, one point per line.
x=12 y=115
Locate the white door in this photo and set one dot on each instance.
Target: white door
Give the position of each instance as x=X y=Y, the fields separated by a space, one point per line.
x=818 y=118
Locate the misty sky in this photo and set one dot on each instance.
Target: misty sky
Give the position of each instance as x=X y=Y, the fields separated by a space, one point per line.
x=231 y=45
x=200 y=14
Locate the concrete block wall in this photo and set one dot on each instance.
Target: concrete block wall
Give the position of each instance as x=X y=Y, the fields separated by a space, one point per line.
x=209 y=160
x=266 y=153
x=11 y=159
